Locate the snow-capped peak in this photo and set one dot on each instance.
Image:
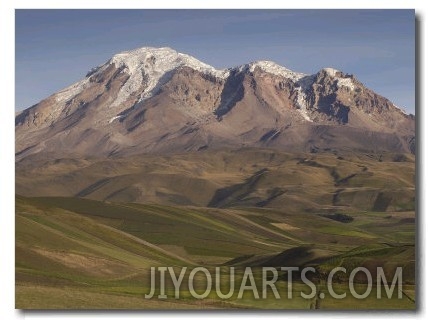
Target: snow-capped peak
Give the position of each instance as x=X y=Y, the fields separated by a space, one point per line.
x=158 y=60
x=150 y=65
x=341 y=81
x=331 y=71
x=274 y=68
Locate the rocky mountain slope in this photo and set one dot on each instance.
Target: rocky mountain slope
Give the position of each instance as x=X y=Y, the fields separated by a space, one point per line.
x=156 y=100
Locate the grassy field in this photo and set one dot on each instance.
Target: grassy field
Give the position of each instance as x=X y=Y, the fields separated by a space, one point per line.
x=80 y=253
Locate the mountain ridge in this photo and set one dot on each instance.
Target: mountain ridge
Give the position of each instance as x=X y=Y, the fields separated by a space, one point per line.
x=157 y=99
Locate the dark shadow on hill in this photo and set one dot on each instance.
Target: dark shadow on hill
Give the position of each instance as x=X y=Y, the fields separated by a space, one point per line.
x=232 y=93
x=93 y=187
x=295 y=257
x=237 y=192
x=339 y=217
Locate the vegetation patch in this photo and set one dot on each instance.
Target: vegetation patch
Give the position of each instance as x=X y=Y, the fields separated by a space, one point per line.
x=339 y=217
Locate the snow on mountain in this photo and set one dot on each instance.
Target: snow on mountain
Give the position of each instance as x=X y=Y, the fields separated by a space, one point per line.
x=158 y=100
x=147 y=69
x=341 y=81
x=71 y=91
x=331 y=71
x=345 y=82
x=152 y=66
x=302 y=104
x=274 y=68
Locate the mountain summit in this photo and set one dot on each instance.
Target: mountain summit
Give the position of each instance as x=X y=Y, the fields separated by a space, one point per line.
x=157 y=100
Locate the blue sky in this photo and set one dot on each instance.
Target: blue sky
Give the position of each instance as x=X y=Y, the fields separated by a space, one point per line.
x=55 y=48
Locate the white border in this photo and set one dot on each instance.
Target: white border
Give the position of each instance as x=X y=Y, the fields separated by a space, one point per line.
x=7 y=110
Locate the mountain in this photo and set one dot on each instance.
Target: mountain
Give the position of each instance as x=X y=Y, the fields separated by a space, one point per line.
x=157 y=159
x=156 y=100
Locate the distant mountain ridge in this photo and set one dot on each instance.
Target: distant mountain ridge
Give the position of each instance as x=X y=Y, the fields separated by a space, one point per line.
x=157 y=100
